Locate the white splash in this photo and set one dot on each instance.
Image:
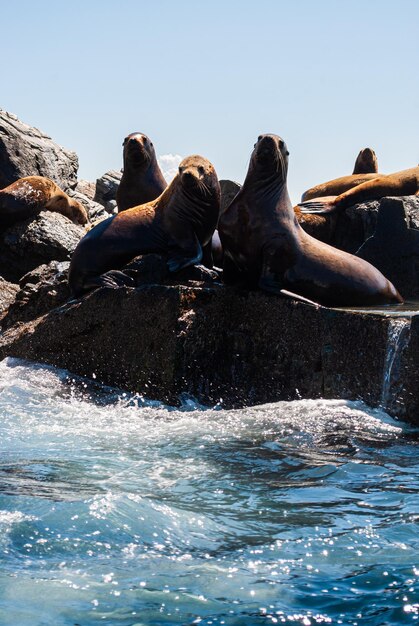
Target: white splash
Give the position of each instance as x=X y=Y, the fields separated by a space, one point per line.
x=397 y=340
x=169 y=164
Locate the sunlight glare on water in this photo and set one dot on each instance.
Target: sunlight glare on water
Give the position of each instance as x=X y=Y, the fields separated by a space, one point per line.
x=121 y=511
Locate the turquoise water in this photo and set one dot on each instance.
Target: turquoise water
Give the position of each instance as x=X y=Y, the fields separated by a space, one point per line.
x=118 y=511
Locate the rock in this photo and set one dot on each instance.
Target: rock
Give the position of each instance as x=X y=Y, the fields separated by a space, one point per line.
x=224 y=345
x=8 y=293
x=26 y=151
x=39 y=291
x=86 y=187
x=106 y=187
x=26 y=245
x=95 y=211
x=394 y=246
x=229 y=189
x=349 y=229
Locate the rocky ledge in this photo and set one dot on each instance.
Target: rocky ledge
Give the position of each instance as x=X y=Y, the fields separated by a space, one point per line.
x=222 y=345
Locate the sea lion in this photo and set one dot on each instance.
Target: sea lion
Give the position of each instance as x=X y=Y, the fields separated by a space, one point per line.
x=142 y=179
x=265 y=246
x=403 y=183
x=365 y=169
x=366 y=162
x=336 y=186
x=28 y=196
x=179 y=223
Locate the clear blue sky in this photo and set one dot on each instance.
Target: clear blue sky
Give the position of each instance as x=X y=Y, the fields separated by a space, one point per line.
x=329 y=76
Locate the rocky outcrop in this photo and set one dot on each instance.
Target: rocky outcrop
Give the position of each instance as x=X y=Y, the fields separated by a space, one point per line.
x=106 y=187
x=86 y=188
x=223 y=345
x=394 y=246
x=26 y=245
x=26 y=151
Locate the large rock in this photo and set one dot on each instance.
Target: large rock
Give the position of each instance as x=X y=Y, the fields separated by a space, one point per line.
x=394 y=246
x=26 y=245
x=26 y=151
x=229 y=189
x=106 y=187
x=349 y=229
x=222 y=345
x=86 y=188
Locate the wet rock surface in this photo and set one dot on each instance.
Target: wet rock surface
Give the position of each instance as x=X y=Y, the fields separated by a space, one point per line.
x=26 y=245
x=27 y=151
x=219 y=344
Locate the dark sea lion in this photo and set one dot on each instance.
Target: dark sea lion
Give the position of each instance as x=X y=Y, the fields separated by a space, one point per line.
x=28 y=196
x=403 y=183
x=142 y=179
x=265 y=246
x=366 y=162
x=179 y=223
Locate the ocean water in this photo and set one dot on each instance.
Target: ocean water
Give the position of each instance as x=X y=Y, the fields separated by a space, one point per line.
x=119 y=511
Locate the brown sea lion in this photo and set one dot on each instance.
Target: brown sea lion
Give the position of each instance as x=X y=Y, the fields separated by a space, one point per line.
x=179 y=223
x=142 y=179
x=265 y=246
x=28 y=196
x=403 y=183
x=366 y=162
x=336 y=186
x=365 y=169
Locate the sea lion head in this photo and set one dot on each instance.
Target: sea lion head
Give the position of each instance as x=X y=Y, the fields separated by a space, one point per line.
x=270 y=156
x=138 y=151
x=70 y=207
x=79 y=213
x=366 y=162
x=197 y=176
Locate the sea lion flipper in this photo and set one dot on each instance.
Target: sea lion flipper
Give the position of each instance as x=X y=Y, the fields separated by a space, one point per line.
x=112 y=279
x=184 y=253
x=317 y=207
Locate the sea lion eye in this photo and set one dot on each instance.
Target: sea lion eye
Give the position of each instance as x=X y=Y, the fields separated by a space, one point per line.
x=151 y=144
x=260 y=137
x=201 y=169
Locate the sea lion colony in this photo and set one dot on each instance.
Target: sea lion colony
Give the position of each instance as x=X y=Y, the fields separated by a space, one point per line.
x=263 y=243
